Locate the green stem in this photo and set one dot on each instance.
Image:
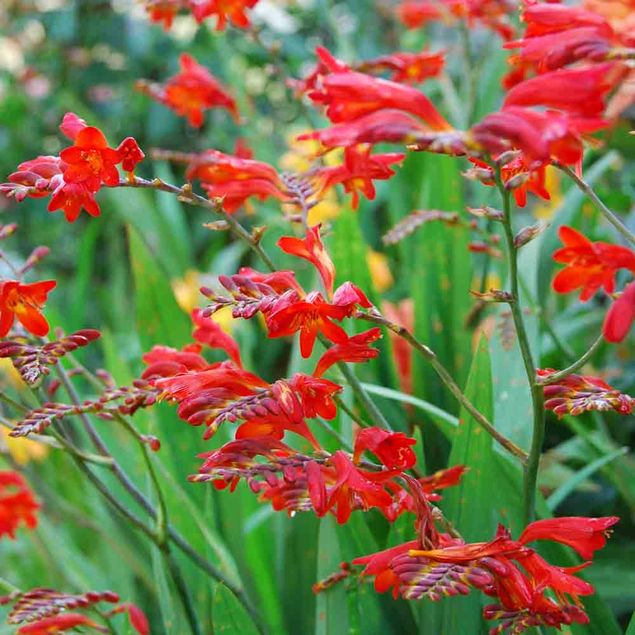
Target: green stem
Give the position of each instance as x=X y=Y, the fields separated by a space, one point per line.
x=447 y=379
x=610 y=216
x=561 y=374
x=537 y=395
x=181 y=589
x=7 y=587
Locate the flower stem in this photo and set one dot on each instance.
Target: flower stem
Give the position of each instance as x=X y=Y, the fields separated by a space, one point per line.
x=537 y=395
x=610 y=216
x=7 y=587
x=447 y=379
x=561 y=374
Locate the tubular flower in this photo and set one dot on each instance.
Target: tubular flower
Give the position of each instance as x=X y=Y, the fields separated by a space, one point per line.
x=359 y=170
x=130 y=154
x=541 y=136
x=235 y=178
x=164 y=11
x=585 y=535
x=590 y=265
x=17 y=504
x=389 y=125
x=347 y=96
x=576 y=394
x=312 y=249
x=620 y=316
x=233 y=11
x=35 y=178
x=191 y=91
x=71 y=198
x=24 y=302
x=578 y=91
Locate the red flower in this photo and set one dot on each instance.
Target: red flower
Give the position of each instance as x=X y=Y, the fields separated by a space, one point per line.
x=24 y=301
x=350 y=95
x=359 y=170
x=310 y=316
x=407 y=67
x=355 y=349
x=136 y=617
x=164 y=361
x=90 y=161
x=590 y=265
x=130 y=154
x=585 y=535
x=389 y=125
x=71 y=198
x=235 y=178
x=191 y=91
x=393 y=449
x=578 y=91
x=344 y=487
x=534 y=180
x=312 y=249
x=17 y=504
x=163 y=11
x=442 y=479
x=224 y=10
x=621 y=315
x=60 y=623
x=540 y=135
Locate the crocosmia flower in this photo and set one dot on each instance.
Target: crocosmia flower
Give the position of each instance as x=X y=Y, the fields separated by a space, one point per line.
x=590 y=265
x=59 y=624
x=17 y=504
x=24 y=302
x=191 y=91
x=90 y=160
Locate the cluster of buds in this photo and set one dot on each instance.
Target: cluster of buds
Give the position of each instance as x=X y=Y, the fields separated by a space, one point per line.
x=43 y=611
x=34 y=362
x=74 y=177
x=141 y=394
x=575 y=394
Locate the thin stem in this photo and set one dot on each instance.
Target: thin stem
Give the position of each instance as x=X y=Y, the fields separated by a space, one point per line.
x=13 y=403
x=610 y=216
x=447 y=379
x=181 y=589
x=537 y=394
x=561 y=374
x=186 y=195
x=7 y=587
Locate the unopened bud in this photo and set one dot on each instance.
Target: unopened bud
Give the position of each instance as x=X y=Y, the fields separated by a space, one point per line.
x=487 y=212
x=517 y=181
x=7 y=230
x=507 y=157
x=527 y=234
x=493 y=295
x=151 y=441
x=217 y=226
x=257 y=233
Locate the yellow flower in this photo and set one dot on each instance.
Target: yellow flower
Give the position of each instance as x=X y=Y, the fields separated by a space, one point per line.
x=22 y=450
x=379 y=270
x=186 y=290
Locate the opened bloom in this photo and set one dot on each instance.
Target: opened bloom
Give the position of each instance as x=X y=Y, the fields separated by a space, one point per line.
x=590 y=265
x=24 y=302
x=191 y=91
x=17 y=504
